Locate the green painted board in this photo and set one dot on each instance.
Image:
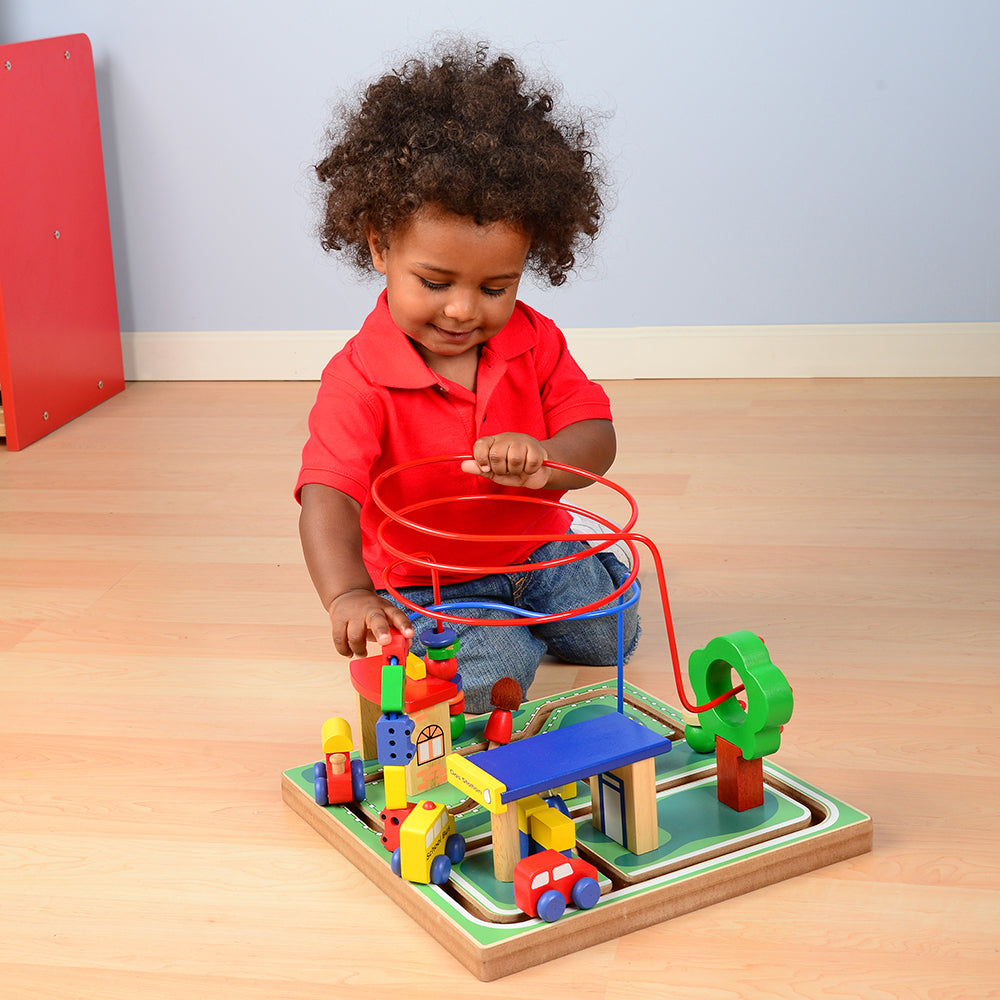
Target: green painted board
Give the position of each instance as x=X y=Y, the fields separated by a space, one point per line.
x=707 y=851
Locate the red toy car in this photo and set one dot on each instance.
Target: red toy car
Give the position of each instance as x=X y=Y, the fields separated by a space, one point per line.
x=545 y=882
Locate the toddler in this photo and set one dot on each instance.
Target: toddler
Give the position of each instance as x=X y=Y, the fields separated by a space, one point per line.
x=452 y=177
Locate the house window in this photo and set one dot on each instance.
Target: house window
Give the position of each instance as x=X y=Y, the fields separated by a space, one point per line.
x=430 y=744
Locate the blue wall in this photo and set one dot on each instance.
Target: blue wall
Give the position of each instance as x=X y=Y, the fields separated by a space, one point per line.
x=777 y=161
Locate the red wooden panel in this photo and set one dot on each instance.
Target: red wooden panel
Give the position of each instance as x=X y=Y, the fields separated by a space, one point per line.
x=60 y=344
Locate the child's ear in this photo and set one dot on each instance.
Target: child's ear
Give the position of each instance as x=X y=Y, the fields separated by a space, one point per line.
x=377 y=249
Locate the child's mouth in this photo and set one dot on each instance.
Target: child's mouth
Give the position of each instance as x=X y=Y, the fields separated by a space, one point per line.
x=455 y=336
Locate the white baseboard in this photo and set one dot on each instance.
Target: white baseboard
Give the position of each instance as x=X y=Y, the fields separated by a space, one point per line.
x=877 y=350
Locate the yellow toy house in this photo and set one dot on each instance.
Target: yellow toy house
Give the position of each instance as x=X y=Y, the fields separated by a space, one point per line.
x=425 y=702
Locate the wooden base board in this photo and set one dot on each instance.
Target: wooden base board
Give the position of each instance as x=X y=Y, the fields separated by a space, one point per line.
x=714 y=869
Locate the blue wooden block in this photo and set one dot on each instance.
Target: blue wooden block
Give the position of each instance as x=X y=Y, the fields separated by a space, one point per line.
x=394 y=739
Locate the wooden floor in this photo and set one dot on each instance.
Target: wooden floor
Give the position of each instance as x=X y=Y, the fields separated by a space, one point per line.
x=164 y=658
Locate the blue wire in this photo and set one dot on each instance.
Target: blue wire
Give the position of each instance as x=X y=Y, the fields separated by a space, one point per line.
x=619 y=607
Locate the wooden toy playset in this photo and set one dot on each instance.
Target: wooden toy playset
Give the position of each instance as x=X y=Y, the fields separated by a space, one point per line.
x=558 y=823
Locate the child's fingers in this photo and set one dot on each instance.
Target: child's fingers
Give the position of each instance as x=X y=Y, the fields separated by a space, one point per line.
x=381 y=622
x=516 y=462
x=348 y=642
x=505 y=455
x=400 y=621
x=341 y=645
x=507 y=459
x=522 y=459
x=482 y=456
x=357 y=637
x=472 y=467
x=354 y=625
x=378 y=626
x=358 y=621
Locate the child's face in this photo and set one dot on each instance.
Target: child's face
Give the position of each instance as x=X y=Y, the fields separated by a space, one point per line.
x=451 y=284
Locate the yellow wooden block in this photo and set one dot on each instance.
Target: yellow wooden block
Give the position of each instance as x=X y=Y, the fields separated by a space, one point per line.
x=526 y=808
x=416 y=669
x=336 y=736
x=394 y=782
x=565 y=792
x=552 y=829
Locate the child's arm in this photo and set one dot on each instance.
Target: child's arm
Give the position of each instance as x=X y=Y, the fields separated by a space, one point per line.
x=513 y=459
x=330 y=529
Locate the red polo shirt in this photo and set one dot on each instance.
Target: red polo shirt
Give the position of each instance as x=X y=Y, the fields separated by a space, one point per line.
x=379 y=406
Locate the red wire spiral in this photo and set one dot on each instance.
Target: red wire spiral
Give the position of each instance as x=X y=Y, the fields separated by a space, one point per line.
x=602 y=541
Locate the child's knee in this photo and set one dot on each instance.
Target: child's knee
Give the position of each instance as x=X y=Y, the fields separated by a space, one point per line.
x=488 y=654
x=594 y=642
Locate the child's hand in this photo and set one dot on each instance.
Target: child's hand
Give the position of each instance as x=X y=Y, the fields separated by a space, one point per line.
x=509 y=459
x=361 y=615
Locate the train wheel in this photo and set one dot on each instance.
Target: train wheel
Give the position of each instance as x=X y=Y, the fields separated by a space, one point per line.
x=396 y=862
x=320 y=792
x=358 y=779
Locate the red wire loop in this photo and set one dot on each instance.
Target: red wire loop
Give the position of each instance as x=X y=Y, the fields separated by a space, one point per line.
x=601 y=541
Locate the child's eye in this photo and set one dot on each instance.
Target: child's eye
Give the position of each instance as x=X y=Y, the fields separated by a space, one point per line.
x=434 y=286
x=440 y=286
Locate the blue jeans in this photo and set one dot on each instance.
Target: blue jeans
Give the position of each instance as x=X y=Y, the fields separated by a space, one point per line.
x=489 y=653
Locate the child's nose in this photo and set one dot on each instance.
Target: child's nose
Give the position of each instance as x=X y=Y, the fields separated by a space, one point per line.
x=460 y=307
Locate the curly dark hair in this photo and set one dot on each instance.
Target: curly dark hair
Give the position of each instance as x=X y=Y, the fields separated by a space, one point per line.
x=471 y=134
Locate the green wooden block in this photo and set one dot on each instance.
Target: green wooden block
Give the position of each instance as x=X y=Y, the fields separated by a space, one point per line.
x=393 y=684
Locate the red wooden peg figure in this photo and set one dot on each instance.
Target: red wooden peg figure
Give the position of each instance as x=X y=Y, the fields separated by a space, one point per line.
x=505 y=697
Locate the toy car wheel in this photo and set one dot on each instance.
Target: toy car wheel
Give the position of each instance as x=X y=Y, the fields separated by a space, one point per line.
x=320 y=792
x=358 y=779
x=441 y=869
x=586 y=892
x=455 y=848
x=551 y=905
x=396 y=862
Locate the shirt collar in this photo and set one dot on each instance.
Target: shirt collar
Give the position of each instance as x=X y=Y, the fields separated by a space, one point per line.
x=390 y=359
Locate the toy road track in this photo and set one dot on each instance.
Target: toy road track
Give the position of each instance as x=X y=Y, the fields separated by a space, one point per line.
x=707 y=852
